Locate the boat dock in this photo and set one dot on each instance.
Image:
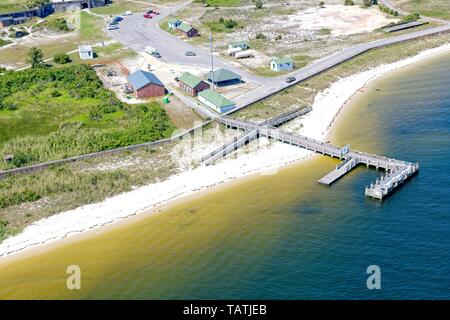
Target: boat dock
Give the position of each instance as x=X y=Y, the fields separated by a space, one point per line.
x=397 y=171
x=341 y=169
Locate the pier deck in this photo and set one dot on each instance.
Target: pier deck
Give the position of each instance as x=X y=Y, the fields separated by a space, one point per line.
x=341 y=169
x=397 y=171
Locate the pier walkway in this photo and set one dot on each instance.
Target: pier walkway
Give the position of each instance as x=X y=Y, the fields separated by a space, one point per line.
x=397 y=171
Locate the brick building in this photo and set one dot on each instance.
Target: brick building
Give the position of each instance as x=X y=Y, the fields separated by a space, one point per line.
x=145 y=84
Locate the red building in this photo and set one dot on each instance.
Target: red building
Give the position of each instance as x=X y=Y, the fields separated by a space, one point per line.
x=187 y=30
x=191 y=84
x=145 y=84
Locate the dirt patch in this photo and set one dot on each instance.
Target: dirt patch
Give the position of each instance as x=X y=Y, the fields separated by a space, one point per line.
x=339 y=19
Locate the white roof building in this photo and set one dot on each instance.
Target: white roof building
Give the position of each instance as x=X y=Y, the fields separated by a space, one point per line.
x=85 y=52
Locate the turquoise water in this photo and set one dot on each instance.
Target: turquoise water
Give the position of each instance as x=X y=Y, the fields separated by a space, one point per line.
x=285 y=236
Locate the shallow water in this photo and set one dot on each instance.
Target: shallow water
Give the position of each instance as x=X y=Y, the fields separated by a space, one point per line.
x=285 y=236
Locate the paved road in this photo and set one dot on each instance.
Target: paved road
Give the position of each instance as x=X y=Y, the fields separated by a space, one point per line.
x=136 y=33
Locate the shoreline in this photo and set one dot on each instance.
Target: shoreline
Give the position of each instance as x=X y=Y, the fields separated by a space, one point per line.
x=150 y=199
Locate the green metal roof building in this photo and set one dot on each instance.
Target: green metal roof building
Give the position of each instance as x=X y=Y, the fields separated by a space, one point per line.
x=223 y=77
x=191 y=84
x=216 y=101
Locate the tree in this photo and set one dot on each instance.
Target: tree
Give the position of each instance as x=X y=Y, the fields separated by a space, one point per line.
x=61 y=58
x=368 y=3
x=322 y=4
x=348 y=3
x=259 y=4
x=35 y=57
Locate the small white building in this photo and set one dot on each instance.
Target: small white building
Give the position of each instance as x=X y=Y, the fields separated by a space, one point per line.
x=86 y=52
x=282 y=64
x=238 y=44
x=216 y=101
x=244 y=54
x=233 y=51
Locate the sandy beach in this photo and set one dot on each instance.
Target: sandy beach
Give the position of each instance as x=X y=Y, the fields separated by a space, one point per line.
x=264 y=160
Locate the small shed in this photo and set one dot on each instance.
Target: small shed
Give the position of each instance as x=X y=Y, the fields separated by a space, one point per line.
x=282 y=64
x=238 y=44
x=86 y=52
x=216 y=101
x=188 y=30
x=145 y=84
x=191 y=84
x=174 y=23
x=223 y=77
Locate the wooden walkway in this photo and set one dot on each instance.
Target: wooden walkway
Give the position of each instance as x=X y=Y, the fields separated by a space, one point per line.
x=341 y=169
x=398 y=171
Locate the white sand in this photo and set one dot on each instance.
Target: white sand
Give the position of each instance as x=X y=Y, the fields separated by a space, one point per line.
x=265 y=160
x=339 y=19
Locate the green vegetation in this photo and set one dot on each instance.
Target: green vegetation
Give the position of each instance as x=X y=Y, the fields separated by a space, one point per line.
x=411 y=17
x=259 y=4
x=12 y=5
x=368 y=3
x=58 y=24
x=3 y=230
x=91 y=27
x=35 y=58
x=430 y=8
x=61 y=58
x=4 y=42
x=119 y=6
x=223 y=25
x=36 y=3
x=348 y=3
x=54 y=113
x=301 y=60
x=28 y=198
x=325 y=32
x=220 y=3
x=387 y=10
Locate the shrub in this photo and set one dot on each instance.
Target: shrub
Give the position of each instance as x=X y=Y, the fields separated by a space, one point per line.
x=58 y=24
x=20 y=159
x=230 y=24
x=61 y=58
x=260 y=36
x=348 y=3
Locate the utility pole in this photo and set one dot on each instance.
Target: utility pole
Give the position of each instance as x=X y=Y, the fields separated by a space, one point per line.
x=212 y=59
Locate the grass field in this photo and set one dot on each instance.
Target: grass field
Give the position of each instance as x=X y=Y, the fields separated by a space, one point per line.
x=119 y=6
x=53 y=113
x=12 y=5
x=431 y=8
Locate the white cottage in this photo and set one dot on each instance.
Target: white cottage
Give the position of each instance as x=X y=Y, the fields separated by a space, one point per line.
x=282 y=64
x=86 y=52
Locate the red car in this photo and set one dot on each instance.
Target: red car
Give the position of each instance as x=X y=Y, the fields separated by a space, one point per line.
x=148 y=16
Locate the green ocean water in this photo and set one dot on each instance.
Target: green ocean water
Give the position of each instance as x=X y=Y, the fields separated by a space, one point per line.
x=285 y=236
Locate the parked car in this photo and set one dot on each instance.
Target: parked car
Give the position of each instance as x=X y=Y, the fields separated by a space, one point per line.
x=190 y=53
x=156 y=12
x=127 y=13
x=156 y=55
x=113 y=27
x=148 y=16
x=290 y=79
x=118 y=18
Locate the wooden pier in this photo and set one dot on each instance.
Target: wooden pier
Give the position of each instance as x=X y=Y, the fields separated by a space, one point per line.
x=397 y=171
x=341 y=169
